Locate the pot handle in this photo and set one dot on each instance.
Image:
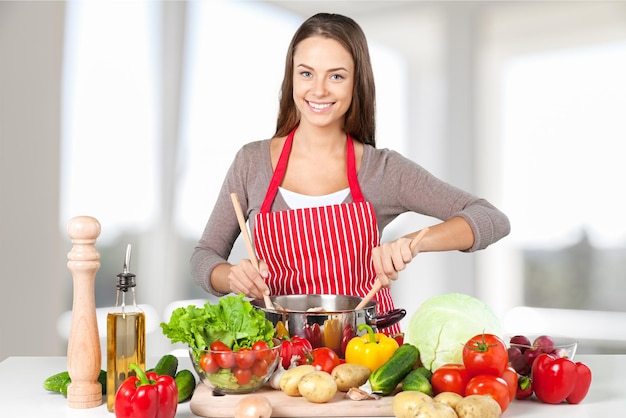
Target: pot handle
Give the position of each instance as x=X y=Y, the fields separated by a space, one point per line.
x=389 y=318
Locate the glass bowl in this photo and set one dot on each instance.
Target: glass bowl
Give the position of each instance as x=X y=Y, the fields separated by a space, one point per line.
x=561 y=347
x=522 y=354
x=228 y=372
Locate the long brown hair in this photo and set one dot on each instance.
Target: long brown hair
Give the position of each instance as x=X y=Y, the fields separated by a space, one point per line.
x=360 y=121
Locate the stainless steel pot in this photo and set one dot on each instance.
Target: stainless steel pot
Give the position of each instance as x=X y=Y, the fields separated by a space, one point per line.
x=333 y=325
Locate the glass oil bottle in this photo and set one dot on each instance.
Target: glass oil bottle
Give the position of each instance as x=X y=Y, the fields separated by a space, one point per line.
x=126 y=333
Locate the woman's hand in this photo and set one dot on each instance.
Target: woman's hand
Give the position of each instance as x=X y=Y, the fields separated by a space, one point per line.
x=244 y=278
x=390 y=258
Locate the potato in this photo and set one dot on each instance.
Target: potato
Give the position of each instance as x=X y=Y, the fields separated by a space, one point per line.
x=348 y=375
x=478 y=406
x=433 y=410
x=449 y=398
x=289 y=380
x=405 y=403
x=317 y=386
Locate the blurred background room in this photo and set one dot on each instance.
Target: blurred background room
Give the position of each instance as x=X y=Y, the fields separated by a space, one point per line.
x=132 y=111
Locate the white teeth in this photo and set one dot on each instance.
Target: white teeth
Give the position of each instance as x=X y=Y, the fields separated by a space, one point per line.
x=318 y=106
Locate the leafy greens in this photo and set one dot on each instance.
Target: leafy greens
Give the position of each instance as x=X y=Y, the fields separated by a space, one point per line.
x=233 y=321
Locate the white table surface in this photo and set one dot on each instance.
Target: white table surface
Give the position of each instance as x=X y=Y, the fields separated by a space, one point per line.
x=22 y=393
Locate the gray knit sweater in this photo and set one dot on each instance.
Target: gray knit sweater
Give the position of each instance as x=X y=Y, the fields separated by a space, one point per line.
x=394 y=184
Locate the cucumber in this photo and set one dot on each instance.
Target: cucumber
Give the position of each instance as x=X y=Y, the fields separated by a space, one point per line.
x=386 y=378
x=60 y=382
x=56 y=381
x=167 y=365
x=416 y=381
x=186 y=384
x=427 y=373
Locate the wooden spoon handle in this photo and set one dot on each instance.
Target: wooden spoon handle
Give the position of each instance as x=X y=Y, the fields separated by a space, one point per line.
x=248 y=242
x=375 y=288
x=377 y=284
x=418 y=238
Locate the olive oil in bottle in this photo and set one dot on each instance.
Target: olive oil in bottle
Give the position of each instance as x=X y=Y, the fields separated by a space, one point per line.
x=126 y=333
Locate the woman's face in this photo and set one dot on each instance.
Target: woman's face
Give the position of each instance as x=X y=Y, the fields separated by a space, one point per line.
x=322 y=81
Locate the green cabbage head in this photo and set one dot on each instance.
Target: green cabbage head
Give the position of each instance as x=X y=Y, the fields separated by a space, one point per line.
x=443 y=324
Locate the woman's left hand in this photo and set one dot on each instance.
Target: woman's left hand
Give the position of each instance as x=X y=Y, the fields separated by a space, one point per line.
x=390 y=258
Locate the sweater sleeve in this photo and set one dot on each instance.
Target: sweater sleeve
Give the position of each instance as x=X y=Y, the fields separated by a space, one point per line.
x=404 y=186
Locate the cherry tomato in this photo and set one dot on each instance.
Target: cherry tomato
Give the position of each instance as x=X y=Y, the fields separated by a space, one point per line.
x=524 y=387
x=450 y=378
x=245 y=358
x=510 y=377
x=488 y=384
x=325 y=359
x=243 y=376
x=219 y=346
x=208 y=363
x=224 y=356
x=485 y=354
x=261 y=349
x=259 y=368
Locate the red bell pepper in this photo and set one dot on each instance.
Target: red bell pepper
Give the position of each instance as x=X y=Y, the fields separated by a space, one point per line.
x=347 y=334
x=558 y=379
x=313 y=333
x=583 y=382
x=294 y=346
x=146 y=395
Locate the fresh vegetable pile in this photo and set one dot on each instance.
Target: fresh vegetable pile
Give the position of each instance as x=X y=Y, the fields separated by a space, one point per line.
x=545 y=370
x=442 y=323
x=174 y=386
x=484 y=371
x=231 y=342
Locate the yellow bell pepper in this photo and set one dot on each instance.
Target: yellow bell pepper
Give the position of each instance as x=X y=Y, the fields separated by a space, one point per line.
x=332 y=334
x=371 y=350
x=281 y=331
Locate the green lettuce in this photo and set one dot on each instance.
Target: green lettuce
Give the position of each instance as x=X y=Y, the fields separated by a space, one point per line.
x=233 y=321
x=443 y=324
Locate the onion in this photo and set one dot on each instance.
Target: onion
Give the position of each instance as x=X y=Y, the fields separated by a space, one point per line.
x=253 y=406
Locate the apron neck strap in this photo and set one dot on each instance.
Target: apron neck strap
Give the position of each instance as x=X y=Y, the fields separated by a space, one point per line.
x=281 y=168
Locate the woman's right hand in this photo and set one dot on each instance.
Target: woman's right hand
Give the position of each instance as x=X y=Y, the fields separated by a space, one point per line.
x=244 y=278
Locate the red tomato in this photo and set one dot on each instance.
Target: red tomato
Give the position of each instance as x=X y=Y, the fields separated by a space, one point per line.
x=208 y=363
x=450 y=378
x=243 y=376
x=224 y=356
x=485 y=354
x=219 y=346
x=261 y=349
x=510 y=377
x=325 y=359
x=259 y=368
x=245 y=358
x=488 y=384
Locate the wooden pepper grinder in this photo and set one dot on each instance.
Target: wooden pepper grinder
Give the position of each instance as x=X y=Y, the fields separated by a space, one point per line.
x=83 y=350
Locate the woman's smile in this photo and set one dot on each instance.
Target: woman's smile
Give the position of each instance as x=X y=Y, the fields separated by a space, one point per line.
x=318 y=107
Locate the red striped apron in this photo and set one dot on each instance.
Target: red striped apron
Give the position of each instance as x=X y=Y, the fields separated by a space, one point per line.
x=321 y=250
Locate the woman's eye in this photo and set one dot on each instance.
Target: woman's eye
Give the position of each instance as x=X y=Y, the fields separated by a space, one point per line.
x=336 y=77
x=306 y=74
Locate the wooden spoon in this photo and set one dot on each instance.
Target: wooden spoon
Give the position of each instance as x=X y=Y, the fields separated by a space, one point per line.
x=377 y=284
x=248 y=241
